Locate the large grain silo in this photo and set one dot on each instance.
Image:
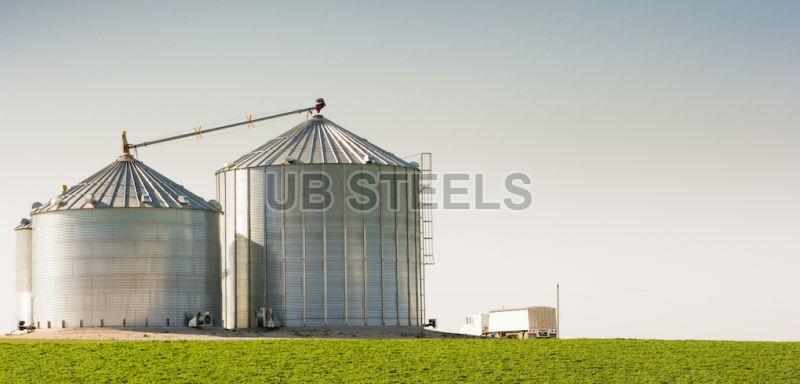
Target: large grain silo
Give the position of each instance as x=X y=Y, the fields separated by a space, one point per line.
x=125 y=247
x=314 y=267
x=22 y=234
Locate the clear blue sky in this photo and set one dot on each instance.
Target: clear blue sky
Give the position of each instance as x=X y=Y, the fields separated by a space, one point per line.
x=661 y=136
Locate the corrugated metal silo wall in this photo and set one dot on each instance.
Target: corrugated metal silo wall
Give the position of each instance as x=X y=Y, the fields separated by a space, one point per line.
x=23 y=275
x=139 y=265
x=319 y=267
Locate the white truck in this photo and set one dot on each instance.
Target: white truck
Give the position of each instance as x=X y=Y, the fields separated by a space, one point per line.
x=523 y=323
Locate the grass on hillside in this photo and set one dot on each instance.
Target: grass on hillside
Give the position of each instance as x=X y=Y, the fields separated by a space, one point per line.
x=426 y=360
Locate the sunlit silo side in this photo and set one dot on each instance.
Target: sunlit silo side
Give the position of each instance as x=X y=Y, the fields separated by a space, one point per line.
x=337 y=266
x=22 y=234
x=125 y=247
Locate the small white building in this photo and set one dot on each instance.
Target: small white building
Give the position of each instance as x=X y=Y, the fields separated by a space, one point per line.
x=515 y=323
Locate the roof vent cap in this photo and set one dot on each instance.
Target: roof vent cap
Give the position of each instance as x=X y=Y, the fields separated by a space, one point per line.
x=91 y=202
x=126 y=157
x=215 y=204
x=183 y=199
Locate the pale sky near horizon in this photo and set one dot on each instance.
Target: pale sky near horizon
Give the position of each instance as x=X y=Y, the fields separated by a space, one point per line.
x=661 y=137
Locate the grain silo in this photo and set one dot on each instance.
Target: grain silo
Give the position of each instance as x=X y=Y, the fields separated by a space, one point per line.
x=22 y=285
x=340 y=265
x=125 y=247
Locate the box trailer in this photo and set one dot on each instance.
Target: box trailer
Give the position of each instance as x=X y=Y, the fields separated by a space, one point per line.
x=523 y=323
x=476 y=325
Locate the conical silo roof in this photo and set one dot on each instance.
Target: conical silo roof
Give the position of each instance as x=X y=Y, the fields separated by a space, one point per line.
x=318 y=141
x=126 y=183
x=25 y=223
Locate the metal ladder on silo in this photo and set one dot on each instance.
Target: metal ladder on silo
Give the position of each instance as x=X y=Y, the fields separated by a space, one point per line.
x=426 y=221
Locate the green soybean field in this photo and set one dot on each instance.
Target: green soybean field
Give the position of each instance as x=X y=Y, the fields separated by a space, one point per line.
x=400 y=360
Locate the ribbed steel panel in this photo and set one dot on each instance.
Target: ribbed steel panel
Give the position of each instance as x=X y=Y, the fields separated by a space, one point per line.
x=374 y=273
x=389 y=235
x=257 y=242
x=126 y=265
x=23 y=256
x=401 y=220
x=336 y=267
x=242 y=251
x=356 y=268
x=223 y=262
x=274 y=254
x=314 y=255
x=294 y=266
x=335 y=250
x=229 y=250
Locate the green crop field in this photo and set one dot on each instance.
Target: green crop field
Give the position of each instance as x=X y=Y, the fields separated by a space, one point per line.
x=421 y=360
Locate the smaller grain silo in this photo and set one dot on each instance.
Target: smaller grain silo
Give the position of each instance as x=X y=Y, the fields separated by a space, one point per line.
x=125 y=247
x=22 y=234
